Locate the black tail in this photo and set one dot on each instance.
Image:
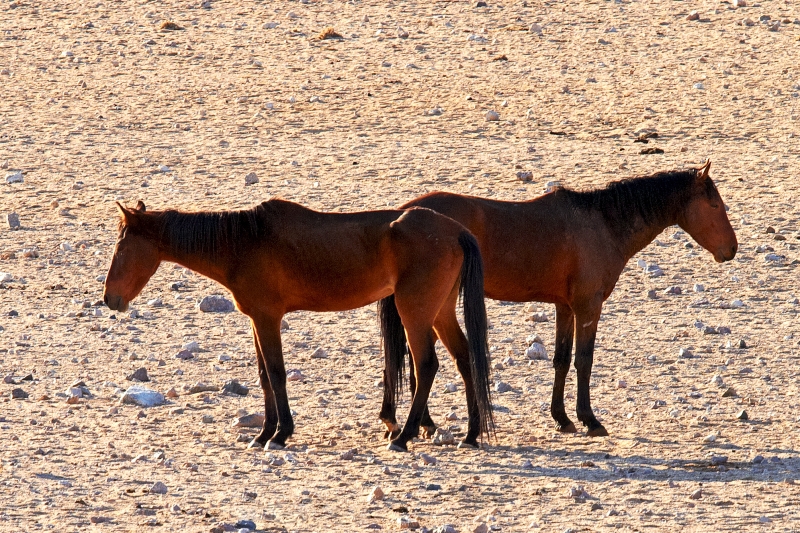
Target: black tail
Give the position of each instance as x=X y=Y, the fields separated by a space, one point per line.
x=476 y=325
x=394 y=349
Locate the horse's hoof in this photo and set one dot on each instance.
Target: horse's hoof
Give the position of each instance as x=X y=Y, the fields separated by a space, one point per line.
x=428 y=432
x=597 y=432
x=255 y=444
x=464 y=445
x=272 y=445
x=569 y=428
x=396 y=448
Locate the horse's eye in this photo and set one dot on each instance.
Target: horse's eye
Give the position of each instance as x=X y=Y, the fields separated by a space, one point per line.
x=715 y=206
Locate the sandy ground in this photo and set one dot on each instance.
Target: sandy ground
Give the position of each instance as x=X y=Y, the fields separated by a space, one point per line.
x=98 y=103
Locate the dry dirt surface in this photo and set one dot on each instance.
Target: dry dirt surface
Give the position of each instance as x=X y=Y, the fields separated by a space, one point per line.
x=176 y=102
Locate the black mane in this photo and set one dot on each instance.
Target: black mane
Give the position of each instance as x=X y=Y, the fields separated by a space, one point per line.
x=655 y=199
x=208 y=232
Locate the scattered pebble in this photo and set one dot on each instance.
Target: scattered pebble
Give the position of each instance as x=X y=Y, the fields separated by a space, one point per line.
x=18 y=394
x=319 y=353
x=502 y=386
x=234 y=387
x=427 y=459
x=694 y=15
x=13 y=221
x=215 y=304
x=375 y=495
x=295 y=375
x=14 y=177
x=696 y=495
x=142 y=396
x=492 y=116
x=251 y=179
x=158 y=488
x=443 y=437
x=140 y=374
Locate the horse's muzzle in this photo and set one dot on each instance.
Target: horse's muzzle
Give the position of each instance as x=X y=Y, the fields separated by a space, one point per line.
x=726 y=255
x=115 y=303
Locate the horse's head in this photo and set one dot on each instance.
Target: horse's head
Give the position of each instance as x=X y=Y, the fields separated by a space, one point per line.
x=135 y=260
x=705 y=219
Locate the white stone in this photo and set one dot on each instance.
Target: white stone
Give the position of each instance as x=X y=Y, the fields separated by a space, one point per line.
x=142 y=396
x=319 y=353
x=5 y=277
x=158 y=488
x=376 y=494
x=536 y=29
x=250 y=178
x=536 y=352
x=492 y=116
x=192 y=346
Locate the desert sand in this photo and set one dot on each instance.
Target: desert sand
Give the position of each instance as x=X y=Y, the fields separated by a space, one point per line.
x=176 y=102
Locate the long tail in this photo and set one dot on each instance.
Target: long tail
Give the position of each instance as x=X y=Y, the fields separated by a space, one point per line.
x=476 y=324
x=394 y=349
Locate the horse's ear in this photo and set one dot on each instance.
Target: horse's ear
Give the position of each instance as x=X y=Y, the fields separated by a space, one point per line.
x=702 y=172
x=140 y=206
x=127 y=215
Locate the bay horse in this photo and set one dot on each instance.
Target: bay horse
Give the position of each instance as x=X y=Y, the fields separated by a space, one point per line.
x=569 y=248
x=279 y=257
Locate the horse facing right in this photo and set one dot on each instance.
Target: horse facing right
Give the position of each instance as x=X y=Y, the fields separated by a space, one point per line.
x=569 y=248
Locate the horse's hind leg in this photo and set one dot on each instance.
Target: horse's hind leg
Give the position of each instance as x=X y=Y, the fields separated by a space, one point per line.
x=421 y=341
x=426 y=424
x=585 y=332
x=565 y=328
x=449 y=332
x=389 y=406
x=270 y=409
x=269 y=339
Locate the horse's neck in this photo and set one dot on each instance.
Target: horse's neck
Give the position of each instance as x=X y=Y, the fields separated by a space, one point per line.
x=203 y=264
x=642 y=235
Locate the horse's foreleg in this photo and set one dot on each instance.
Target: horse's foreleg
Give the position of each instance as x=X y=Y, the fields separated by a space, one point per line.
x=268 y=333
x=270 y=408
x=585 y=332
x=565 y=328
x=425 y=364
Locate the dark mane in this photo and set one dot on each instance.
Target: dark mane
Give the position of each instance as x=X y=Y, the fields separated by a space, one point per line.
x=208 y=232
x=655 y=199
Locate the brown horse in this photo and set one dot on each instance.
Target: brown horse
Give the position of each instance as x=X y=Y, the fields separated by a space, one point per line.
x=569 y=248
x=279 y=257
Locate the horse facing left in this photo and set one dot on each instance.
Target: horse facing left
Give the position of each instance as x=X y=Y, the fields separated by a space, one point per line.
x=280 y=257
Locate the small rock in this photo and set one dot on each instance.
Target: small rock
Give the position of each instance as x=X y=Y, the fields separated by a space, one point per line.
x=673 y=290
x=712 y=437
x=739 y=3
x=536 y=29
x=502 y=386
x=696 y=495
x=694 y=15
x=251 y=179
x=376 y=494
x=5 y=277
x=140 y=374
x=192 y=347
x=13 y=221
x=729 y=392
x=215 y=304
x=427 y=459
x=742 y=415
x=143 y=397
x=294 y=375
x=158 y=488
x=184 y=355
x=18 y=394
x=14 y=177
x=622 y=384
x=742 y=344
x=698 y=287
x=234 y=387
x=245 y=524
x=442 y=437
x=717 y=460
x=683 y=353
x=451 y=387
x=255 y=420
x=540 y=316
x=172 y=393
x=347 y=456
x=492 y=116
x=207 y=419
x=717 y=380
x=447 y=528
x=319 y=353
x=404 y=522
x=525 y=175
x=202 y=387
